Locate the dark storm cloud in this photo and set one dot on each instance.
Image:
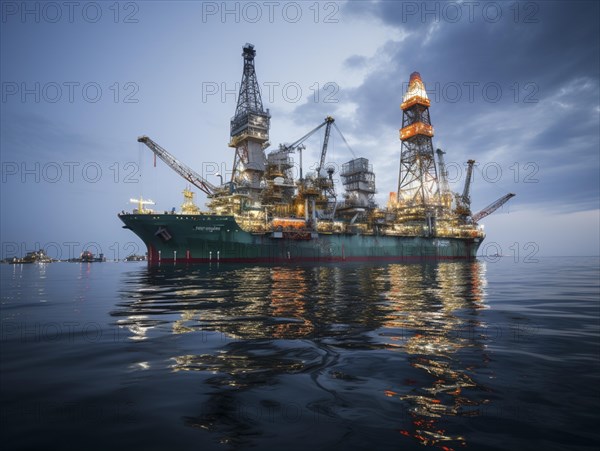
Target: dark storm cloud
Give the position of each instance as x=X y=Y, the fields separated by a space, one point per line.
x=517 y=89
x=550 y=41
x=560 y=47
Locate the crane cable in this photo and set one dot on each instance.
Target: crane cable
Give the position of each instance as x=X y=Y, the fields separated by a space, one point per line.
x=344 y=139
x=499 y=188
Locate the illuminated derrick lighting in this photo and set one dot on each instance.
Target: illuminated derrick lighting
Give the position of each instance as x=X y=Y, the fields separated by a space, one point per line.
x=418 y=178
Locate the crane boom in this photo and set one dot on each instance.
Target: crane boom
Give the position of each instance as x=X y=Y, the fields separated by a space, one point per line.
x=296 y=143
x=465 y=195
x=463 y=201
x=328 y=120
x=445 y=187
x=492 y=207
x=186 y=172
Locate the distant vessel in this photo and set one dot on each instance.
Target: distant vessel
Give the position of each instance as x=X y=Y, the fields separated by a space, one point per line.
x=135 y=258
x=38 y=256
x=264 y=214
x=88 y=257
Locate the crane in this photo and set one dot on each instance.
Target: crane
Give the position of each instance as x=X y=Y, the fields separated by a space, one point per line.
x=328 y=121
x=445 y=193
x=463 y=201
x=288 y=148
x=465 y=195
x=186 y=172
x=445 y=188
x=492 y=207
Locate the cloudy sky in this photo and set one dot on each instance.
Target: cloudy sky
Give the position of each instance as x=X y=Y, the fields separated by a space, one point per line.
x=513 y=85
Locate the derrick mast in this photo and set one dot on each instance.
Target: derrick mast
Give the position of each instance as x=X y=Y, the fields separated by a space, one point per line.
x=249 y=132
x=417 y=184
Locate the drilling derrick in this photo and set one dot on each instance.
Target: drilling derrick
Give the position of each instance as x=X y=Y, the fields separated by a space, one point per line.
x=249 y=132
x=417 y=184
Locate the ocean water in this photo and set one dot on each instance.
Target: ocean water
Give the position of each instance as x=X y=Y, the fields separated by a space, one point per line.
x=454 y=355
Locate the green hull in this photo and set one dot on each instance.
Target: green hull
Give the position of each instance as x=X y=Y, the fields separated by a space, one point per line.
x=212 y=238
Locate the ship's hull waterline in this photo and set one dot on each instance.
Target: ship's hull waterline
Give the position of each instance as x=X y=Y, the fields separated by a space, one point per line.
x=211 y=238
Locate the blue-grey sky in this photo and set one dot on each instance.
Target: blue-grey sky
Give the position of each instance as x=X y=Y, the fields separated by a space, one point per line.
x=513 y=85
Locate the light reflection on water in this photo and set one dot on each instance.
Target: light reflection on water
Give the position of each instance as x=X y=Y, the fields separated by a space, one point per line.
x=399 y=347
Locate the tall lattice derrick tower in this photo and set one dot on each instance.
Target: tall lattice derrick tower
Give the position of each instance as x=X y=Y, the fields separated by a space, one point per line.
x=249 y=132
x=417 y=181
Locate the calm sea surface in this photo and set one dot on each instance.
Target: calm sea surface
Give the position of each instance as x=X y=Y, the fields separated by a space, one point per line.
x=476 y=355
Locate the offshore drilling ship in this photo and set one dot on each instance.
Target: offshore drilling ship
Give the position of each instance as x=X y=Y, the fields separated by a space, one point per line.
x=263 y=214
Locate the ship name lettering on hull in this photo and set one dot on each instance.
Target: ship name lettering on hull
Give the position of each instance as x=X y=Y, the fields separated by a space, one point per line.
x=207 y=228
